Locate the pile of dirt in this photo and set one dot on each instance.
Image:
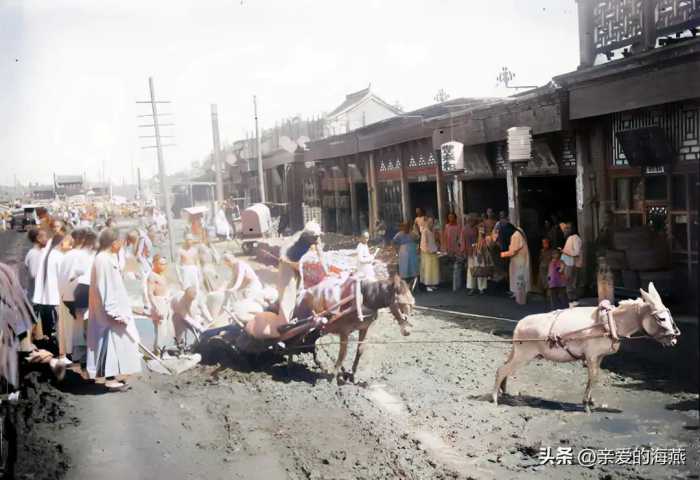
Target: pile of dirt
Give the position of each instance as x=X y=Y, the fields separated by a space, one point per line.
x=40 y=413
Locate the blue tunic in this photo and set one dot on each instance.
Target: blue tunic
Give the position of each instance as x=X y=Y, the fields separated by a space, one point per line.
x=408 y=254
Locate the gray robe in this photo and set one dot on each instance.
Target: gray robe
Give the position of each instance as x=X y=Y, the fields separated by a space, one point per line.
x=110 y=350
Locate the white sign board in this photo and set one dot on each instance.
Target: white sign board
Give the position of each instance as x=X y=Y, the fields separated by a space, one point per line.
x=452 y=156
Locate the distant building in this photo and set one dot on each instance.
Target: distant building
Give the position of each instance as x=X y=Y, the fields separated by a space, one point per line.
x=68 y=185
x=43 y=193
x=359 y=109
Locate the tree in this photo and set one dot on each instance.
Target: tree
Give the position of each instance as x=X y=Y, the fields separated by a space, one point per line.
x=441 y=96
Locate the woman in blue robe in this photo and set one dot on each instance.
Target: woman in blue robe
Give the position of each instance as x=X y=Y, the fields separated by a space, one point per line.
x=408 y=252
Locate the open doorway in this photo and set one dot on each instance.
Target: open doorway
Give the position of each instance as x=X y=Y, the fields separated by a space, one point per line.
x=550 y=198
x=423 y=195
x=482 y=194
x=362 y=195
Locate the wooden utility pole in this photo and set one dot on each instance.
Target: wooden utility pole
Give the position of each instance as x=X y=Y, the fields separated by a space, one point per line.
x=261 y=172
x=217 y=154
x=165 y=198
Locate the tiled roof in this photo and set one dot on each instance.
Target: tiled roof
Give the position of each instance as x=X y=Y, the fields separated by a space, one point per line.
x=69 y=179
x=350 y=99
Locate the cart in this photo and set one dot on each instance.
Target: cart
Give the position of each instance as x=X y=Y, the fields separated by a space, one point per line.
x=256 y=225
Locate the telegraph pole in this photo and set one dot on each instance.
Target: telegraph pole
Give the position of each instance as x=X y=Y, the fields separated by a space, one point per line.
x=161 y=165
x=217 y=155
x=261 y=173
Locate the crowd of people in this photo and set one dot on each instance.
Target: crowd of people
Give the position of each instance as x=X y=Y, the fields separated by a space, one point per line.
x=483 y=248
x=79 y=269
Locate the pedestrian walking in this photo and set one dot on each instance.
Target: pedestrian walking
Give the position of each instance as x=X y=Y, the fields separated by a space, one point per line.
x=572 y=258
x=556 y=281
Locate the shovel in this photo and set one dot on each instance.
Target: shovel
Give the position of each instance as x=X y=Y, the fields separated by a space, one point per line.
x=167 y=370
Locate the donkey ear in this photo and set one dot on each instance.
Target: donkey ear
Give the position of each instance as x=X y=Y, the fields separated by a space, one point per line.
x=646 y=297
x=396 y=282
x=654 y=294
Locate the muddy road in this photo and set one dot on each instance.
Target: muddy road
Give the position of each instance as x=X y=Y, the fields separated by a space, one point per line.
x=420 y=411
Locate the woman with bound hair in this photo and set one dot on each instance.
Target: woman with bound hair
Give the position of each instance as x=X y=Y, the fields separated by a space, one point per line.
x=112 y=340
x=47 y=296
x=82 y=269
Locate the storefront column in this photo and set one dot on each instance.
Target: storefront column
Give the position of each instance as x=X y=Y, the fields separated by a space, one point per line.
x=440 y=184
x=405 y=197
x=584 y=203
x=513 y=203
x=295 y=191
x=337 y=172
x=372 y=193
x=354 y=229
x=458 y=198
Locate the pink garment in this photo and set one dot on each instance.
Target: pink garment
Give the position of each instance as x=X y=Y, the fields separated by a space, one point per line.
x=450 y=239
x=555 y=276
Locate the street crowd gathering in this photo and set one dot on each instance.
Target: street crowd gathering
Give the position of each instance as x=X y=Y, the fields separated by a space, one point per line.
x=80 y=267
x=484 y=248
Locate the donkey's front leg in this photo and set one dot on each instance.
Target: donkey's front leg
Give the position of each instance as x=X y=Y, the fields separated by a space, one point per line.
x=360 y=350
x=593 y=371
x=342 y=351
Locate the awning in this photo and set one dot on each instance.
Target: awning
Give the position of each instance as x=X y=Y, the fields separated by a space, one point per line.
x=646 y=147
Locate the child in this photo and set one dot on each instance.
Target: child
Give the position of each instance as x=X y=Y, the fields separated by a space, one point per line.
x=543 y=270
x=556 y=281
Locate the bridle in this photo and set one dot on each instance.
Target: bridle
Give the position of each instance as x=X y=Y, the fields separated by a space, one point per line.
x=396 y=310
x=659 y=316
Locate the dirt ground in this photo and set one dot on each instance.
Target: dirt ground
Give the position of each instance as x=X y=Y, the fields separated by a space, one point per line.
x=420 y=411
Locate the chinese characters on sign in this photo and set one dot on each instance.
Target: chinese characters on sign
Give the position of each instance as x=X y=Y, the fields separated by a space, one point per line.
x=589 y=457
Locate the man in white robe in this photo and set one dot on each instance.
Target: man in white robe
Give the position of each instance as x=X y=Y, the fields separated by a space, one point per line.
x=365 y=260
x=112 y=335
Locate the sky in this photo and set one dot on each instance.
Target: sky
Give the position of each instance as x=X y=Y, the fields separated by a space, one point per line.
x=71 y=71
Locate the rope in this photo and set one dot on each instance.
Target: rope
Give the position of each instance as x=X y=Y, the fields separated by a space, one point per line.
x=464 y=314
x=457 y=341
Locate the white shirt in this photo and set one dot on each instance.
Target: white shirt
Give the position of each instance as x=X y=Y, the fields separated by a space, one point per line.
x=571 y=253
x=32 y=260
x=363 y=255
x=67 y=275
x=86 y=258
x=46 y=291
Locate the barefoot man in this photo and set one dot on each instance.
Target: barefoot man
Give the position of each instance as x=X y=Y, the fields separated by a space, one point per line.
x=188 y=257
x=188 y=314
x=159 y=304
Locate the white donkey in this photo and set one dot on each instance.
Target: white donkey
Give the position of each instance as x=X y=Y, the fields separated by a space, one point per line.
x=587 y=333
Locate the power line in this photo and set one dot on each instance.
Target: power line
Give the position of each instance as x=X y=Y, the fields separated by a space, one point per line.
x=162 y=178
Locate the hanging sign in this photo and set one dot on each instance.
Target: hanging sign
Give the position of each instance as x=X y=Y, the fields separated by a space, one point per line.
x=519 y=144
x=452 y=156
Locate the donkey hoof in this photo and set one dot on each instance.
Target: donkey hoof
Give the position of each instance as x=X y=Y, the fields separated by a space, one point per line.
x=494 y=398
x=340 y=379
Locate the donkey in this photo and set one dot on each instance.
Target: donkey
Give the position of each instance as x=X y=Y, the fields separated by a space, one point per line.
x=394 y=294
x=579 y=334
